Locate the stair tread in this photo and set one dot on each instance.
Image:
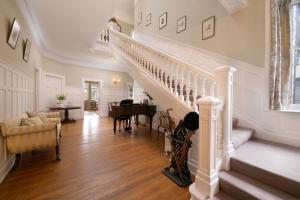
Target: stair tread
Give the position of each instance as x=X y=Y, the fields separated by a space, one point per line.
x=252 y=187
x=278 y=159
x=240 y=135
x=222 y=196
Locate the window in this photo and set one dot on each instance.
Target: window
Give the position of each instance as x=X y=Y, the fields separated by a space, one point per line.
x=86 y=91
x=91 y=91
x=94 y=91
x=295 y=50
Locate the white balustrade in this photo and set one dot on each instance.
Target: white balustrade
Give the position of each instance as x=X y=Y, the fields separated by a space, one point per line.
x=214 y=106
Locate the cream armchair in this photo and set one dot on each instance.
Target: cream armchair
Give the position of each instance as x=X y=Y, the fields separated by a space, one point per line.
x=19 y=139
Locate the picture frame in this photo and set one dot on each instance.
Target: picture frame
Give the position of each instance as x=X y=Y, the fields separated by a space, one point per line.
x=148 y=19
x=181 y=24
x=163 y=20
x=208 y=28
x=27 y=50
x=140 y=18
x=14 y=34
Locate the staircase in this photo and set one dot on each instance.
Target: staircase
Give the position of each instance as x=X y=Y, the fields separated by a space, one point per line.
x=260 y=170
x=231 y=163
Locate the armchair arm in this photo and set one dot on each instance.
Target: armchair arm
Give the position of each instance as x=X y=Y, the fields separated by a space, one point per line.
x=27 y=129
x=53 y=120
x=53 y=115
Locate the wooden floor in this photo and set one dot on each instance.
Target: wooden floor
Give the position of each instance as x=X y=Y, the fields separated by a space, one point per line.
x=95 y=165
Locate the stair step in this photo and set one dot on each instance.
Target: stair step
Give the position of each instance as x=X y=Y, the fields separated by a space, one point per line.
x=241 y=135
x=222 y=196
x=242 y=187
x=270 y=163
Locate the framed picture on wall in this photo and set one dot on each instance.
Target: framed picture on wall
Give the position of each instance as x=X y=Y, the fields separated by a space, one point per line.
x=163 y=19
x=27 y=51
x=208 y=28
x=140 y=17
x=14 y=34
x=181 y=24
x=148 y=19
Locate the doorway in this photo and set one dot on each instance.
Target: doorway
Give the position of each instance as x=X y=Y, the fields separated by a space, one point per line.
x=91 y=97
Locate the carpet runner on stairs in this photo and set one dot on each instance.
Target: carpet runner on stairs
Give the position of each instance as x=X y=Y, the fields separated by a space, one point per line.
x=262 y=170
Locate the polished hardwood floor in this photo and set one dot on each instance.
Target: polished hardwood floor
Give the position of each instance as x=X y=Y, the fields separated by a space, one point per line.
x=95 y=165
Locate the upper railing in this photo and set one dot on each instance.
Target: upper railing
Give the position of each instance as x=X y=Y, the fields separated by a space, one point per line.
x=210 y=94
x=184 y=81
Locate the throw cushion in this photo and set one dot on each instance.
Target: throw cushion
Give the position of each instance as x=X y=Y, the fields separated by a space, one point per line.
x=32 y=114
x=43 y=117
x=31 y=121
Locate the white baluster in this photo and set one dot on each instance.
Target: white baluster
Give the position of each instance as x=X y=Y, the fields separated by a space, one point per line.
x=182 y=84
x=188 y=88
x=195 y=92
x=213 y=89
x=203 y=87
x=176 y=81
x=171 y=76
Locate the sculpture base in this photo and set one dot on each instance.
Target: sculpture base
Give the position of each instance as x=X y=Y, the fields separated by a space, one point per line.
x=176 y=179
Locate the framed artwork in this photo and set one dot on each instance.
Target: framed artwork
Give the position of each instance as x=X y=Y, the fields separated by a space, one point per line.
x=140 y=17
x=181 y=24
x=148 y=19
x=27 y=51
x=163 y=19
x=208 y=28
x=14 y=34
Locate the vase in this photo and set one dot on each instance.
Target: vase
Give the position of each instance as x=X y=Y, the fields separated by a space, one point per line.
x=62 y=103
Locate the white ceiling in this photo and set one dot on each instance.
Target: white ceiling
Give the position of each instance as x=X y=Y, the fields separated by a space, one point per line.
x=67 y=29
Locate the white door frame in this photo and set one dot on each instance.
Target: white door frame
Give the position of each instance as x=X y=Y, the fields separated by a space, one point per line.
x=100 y=81
x=38 y=83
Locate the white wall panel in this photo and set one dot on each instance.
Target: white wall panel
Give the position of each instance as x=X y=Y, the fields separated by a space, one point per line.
x=15 y=103
x=8 y=104
x=2 y=104
x=19 y=102
x=8 y=78
x=2 y=77
x=16 y=91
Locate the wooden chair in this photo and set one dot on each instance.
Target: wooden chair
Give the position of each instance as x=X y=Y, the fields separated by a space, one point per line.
x=166 y=122
x=110 y=104
x=125 y=118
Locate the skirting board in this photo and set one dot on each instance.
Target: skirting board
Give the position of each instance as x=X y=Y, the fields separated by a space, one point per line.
x=268 y=135
x=6 y=166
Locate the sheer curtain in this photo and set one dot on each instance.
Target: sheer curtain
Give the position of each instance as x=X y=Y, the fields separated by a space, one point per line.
x=280 y=65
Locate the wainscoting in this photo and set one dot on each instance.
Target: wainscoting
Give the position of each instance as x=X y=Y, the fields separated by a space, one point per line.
x=16 y=97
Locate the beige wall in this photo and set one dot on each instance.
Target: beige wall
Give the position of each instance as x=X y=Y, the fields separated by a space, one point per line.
x=74 y=74
x=239 y=36
x=9 y=10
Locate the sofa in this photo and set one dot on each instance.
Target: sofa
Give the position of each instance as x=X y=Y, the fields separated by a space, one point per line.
x=32 y=131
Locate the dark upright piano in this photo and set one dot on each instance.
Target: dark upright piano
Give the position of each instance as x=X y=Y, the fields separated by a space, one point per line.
x=133 y=110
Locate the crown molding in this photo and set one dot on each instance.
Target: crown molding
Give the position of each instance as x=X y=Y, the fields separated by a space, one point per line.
x=26 y=10
x=233 y=6
x=111 y=66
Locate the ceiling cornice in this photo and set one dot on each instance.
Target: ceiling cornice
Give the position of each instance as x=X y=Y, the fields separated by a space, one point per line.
x=34 y=28
x=233 y=6
x=26 y=10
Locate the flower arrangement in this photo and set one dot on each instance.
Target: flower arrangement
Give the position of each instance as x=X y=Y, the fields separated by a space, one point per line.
x=61 y=97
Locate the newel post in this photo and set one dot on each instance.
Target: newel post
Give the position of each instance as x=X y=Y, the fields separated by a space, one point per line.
x=224 y=76
x=206 y=181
